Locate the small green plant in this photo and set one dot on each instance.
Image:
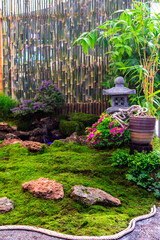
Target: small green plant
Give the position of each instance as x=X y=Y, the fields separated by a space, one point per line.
x=107 y=133
x=143 y=168
x=6 y=103
x=47 y=99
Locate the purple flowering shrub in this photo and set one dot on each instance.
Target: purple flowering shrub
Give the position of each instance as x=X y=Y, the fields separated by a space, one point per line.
x=107 y=133
x=48 y=97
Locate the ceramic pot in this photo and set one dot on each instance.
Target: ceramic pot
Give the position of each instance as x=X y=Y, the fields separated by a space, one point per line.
x=142 y=129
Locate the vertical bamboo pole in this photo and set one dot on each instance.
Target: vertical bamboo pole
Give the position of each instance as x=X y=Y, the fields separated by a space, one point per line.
x=1 y=55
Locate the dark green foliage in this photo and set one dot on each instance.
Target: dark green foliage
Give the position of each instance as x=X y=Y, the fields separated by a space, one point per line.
x=6 y=103
x=86 y=119
x=69 y=164
x=24 y=125
x=69 y=127
x=144 y=169
x=62 y=117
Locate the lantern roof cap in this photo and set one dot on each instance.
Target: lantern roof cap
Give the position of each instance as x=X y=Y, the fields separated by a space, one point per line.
x=119 y=88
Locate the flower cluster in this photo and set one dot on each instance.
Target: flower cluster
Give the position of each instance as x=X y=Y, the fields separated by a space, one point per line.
x=105 y=132
x=48 y=97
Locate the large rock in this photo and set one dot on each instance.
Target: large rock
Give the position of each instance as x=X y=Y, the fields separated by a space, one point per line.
x=73 y=138
x=6 y=205
x=37 y=132
x=93 y=196
x=32 y=146
x=45 y=188
x=77 y=139
x=50 y=123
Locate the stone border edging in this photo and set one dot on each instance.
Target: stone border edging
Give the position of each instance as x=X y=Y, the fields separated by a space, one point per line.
x=50 y=233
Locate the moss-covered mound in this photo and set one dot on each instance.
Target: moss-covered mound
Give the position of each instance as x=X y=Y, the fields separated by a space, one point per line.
x=69 y=164
x=86 y=119
x=69 y=127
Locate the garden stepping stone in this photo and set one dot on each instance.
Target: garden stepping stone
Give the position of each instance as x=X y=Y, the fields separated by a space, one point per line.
x=93 y=196
x=6 y=205
x=45 y=188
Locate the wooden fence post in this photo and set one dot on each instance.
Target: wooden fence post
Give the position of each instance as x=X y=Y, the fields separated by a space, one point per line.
x=1 y=54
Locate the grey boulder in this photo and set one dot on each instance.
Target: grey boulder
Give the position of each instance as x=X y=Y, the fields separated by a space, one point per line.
x=93 y=196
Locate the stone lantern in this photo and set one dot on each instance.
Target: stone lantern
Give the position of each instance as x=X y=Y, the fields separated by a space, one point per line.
x=119 y=95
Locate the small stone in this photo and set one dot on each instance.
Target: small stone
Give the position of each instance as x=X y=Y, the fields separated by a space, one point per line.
x=6 y=205
x=11 y=136
x=93 y=196
x=45 y=188
x=5 y=127
x=32 y=146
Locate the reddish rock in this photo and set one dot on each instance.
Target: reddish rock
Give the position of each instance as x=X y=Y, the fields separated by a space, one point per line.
x=10 y=142
x=45 y=188
x=93 y=196
x=6 y=205
x=32 y=146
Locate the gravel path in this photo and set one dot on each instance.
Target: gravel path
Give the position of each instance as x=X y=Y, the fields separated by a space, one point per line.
x=148 y=229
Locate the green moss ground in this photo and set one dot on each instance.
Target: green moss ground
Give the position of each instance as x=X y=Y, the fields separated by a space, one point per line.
x=69 y=164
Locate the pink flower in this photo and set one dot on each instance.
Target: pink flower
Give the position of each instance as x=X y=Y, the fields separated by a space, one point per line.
x=91 y=135
x=121 y=130
x=98 y=134
x=89 y=129
x=110 y=124
x=94 y=125
x=101 y=119
x=96 y=142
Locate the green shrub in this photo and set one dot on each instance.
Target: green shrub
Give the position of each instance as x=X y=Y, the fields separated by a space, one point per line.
x=69 y=127
x=86 y=119
x=6 y=103
x=143 y=168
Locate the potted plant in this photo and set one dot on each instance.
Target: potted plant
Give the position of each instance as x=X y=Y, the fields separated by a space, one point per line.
x=134 y=42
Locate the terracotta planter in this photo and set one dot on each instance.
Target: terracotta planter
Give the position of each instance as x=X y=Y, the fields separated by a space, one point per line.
x=142 y=129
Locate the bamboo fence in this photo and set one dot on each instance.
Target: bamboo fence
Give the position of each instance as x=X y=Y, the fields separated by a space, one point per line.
x=37 y=45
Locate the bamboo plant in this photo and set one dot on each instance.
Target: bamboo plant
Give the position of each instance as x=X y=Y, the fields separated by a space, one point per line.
x=134 y=38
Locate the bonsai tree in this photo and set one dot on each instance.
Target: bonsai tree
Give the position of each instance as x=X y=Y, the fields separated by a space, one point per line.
x=134 y=46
